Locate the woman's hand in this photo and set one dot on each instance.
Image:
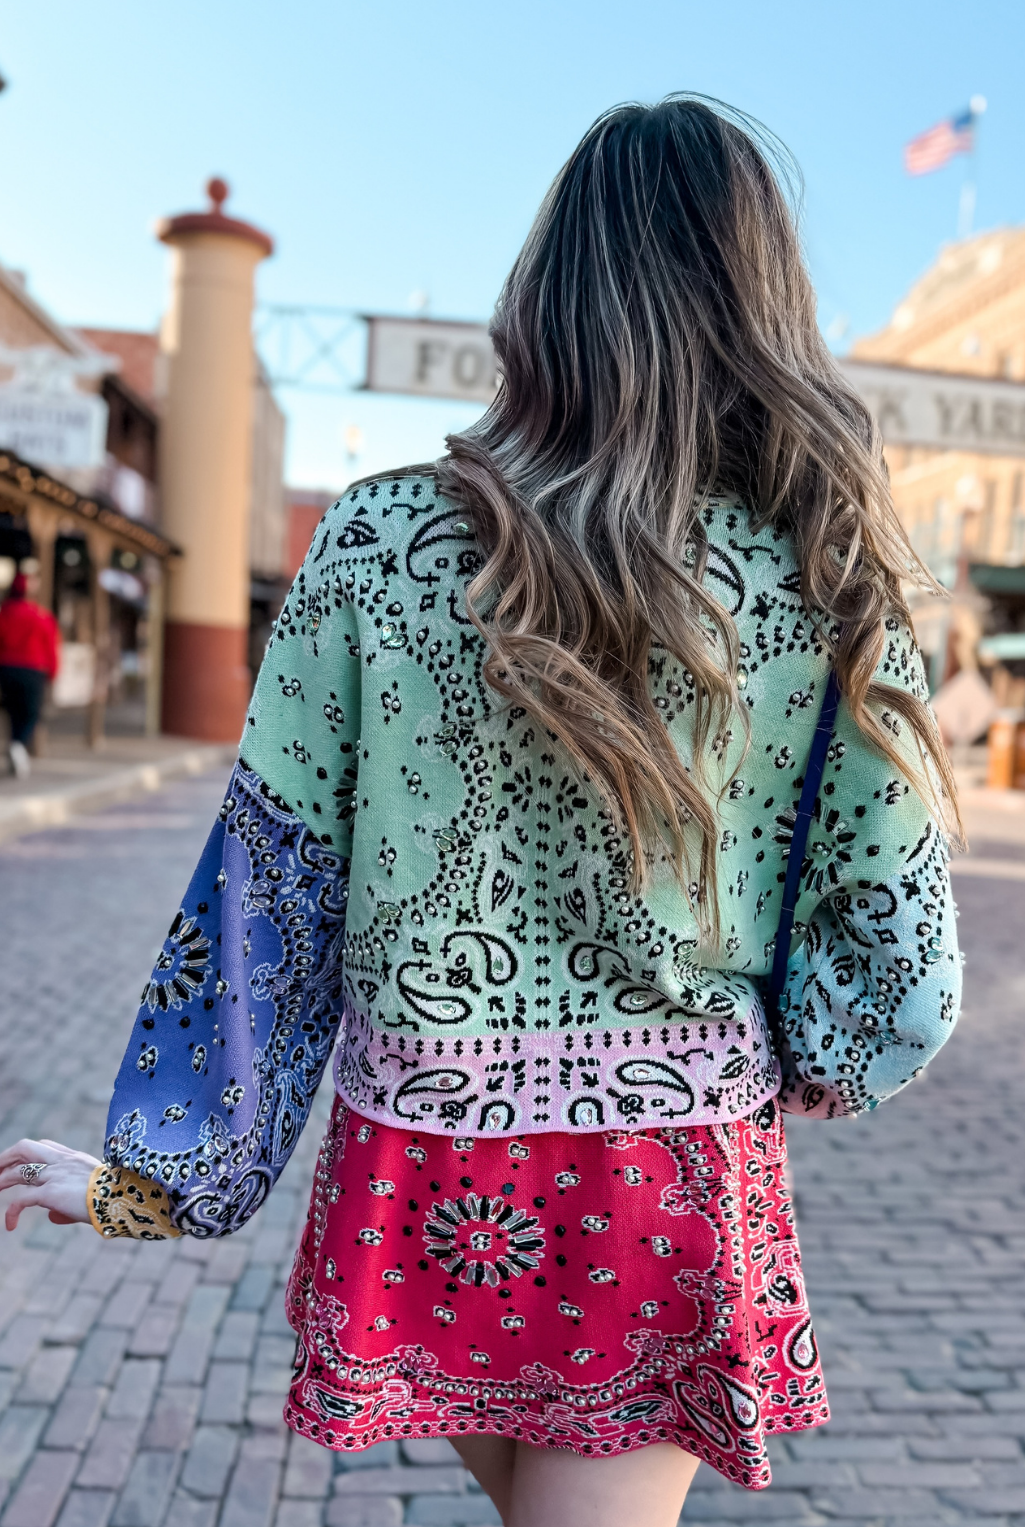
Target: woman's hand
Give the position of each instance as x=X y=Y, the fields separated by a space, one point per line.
x=60 y=1186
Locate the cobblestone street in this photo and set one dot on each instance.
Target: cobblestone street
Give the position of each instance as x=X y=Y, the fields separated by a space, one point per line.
x=143 y=1385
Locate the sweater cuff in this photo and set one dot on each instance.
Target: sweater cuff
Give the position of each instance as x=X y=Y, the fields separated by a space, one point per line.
x=121 y=1203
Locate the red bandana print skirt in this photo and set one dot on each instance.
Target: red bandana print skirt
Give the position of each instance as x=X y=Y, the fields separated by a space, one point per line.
x=597 y=1292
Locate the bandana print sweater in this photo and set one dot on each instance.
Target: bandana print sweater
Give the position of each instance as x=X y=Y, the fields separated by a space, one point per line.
x=406 y=867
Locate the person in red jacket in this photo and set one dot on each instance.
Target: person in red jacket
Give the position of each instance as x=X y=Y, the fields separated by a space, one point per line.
x=29 y=655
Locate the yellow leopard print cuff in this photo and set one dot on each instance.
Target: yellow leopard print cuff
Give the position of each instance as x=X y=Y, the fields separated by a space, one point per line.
x=121 y=1203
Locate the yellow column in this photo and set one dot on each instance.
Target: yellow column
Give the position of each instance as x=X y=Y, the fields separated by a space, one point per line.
x=205 y=454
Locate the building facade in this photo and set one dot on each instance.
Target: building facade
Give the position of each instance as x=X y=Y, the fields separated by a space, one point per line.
x=965 y=511
x=965 y=315
x=83 y=511
x=92 y=513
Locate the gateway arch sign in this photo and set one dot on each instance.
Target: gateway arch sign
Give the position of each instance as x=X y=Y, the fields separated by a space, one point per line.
x=942 y=410
x=431 y=359
x=428 y=358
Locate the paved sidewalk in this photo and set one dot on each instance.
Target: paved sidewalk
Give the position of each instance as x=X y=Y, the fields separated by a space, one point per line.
x=142 y=1385
x=71 y=779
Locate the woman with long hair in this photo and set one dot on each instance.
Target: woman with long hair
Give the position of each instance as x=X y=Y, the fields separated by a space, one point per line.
x=541 y=774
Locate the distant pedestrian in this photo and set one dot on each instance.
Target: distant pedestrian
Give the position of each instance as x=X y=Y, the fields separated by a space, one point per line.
x=521 y=818
x=29 y=657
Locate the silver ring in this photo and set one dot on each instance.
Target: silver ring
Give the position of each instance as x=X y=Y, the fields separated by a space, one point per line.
x=33 y=1170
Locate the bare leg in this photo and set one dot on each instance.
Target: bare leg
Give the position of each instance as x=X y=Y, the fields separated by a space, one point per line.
x=552 y=1487
x=490 y=1460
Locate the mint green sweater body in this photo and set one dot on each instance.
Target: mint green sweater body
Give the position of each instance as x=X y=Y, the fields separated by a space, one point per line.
x=499 y=977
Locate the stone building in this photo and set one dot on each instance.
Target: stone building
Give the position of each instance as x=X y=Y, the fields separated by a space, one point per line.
x=965 y=510
x=965 y=315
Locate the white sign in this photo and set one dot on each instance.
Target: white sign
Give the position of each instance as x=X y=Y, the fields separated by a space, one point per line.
x=931 y=408
x=431 y=359
x=43 y=416
x=944 y=411
x=76 y=676
x=53 y=429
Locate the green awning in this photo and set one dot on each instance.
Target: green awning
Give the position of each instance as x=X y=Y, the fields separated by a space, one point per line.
x=991 y=578
x=1006 y=648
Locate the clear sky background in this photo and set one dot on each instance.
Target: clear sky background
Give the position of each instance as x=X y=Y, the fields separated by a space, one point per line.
x=393 y=147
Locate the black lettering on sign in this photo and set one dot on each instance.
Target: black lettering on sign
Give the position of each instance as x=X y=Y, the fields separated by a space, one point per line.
x=429 y=353
x=469 y=365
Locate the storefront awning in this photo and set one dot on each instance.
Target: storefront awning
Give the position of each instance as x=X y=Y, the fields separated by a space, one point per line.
x=28 y=481
x=992 y=578
x=1008 y=647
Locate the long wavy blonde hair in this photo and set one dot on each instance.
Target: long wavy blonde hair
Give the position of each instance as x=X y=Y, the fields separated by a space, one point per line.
x=657 y=339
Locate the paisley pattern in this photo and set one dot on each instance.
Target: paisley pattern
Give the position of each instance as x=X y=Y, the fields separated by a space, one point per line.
x=123 y=1205
x=668 y=1071
x=846 y=1037
x=234 y=1033
x=490 y=969
x=597 y=1292
x=499 y=977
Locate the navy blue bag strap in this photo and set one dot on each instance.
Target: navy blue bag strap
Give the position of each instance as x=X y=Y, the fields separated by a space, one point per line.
x=791 y=886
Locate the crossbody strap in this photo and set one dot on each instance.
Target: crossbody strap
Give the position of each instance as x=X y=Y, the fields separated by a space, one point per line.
x=799 y=841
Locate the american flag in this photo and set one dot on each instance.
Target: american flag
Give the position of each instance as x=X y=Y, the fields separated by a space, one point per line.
x=932 y=149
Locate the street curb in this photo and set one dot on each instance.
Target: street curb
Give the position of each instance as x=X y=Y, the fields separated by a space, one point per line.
x=34 y=813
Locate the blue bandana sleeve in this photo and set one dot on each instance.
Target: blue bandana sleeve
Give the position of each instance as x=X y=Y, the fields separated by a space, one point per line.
x=238 y=1018
x=874 y=989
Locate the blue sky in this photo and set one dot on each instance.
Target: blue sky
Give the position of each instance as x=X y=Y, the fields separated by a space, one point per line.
x=392 y=147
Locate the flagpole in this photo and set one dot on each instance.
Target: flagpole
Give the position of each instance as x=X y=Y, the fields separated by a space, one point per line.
x=966 y=208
